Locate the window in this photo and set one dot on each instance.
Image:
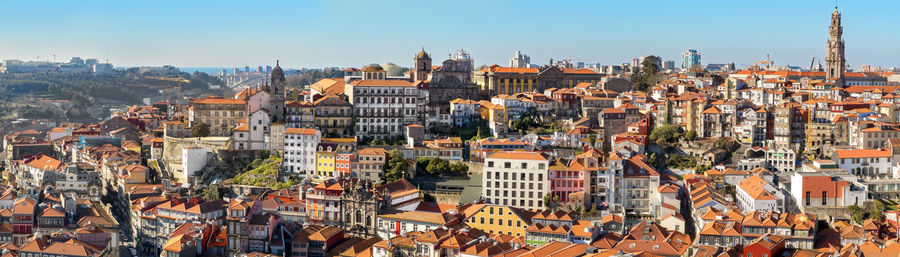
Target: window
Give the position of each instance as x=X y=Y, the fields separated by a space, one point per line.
x=490 y=165
x=507 y=165
x=808 y=195
x=524 y=166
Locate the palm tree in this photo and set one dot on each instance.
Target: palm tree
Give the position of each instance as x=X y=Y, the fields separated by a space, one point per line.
x=211 y=193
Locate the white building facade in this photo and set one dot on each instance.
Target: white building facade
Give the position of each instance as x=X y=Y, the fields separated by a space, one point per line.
x=300 y=150
x=517 y=179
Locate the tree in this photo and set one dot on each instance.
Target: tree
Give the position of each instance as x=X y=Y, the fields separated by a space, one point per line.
x=429 y=198
x=856 y=213
x=690 y=135
x=459 y=169
x=211 y=193
x=437 y=167
x=200 y=129
x=422 y=162
x=667 y=132
x=645 y=78
x=478 y=134
x=397 y=166
x=877 y=210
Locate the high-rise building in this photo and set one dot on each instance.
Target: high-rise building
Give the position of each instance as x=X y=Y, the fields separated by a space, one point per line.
x=835 y=62
x=520 y=60
x=668 y=65
x=247 y=69
x=690 y=59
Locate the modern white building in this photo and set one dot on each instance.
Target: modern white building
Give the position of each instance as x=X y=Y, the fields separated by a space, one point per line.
x=756 y=194
x=300 y=150
x=517 y=179
x=520 y=60
x=193 y=159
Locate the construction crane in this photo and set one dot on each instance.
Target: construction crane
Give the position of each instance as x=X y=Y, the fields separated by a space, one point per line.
x=812 y=63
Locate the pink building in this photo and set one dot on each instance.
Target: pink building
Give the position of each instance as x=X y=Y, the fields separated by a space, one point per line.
x=567 y=177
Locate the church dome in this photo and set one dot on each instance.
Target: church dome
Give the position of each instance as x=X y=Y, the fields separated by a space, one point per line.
x=423 y=55
x=373 y=68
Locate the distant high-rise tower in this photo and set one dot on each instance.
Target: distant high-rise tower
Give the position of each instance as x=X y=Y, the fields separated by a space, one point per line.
x=690 y=59
x=520 y=61
x=422 y=66
x=835 y=63
x=669 y=65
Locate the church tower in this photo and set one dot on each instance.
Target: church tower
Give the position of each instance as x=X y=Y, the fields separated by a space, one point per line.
x=276 y=93
x=422 y=66
x=834 y=58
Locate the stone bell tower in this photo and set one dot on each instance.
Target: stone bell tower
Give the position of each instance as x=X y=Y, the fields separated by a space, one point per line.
x=422 y=66
x=836 y=63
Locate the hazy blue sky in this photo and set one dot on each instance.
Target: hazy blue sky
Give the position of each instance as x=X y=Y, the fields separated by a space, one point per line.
x=355 y=33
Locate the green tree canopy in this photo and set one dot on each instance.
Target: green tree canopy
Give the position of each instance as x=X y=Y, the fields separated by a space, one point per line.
x=200 y=129
x=211 y=193
x=396 y=168
x=667 y=132
x=690 y=135
x=645 y=78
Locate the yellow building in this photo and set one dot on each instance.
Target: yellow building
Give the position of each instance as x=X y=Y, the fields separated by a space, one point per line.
x=325 y=161
x=495 y=80
x=493 y=112
x=498 y=219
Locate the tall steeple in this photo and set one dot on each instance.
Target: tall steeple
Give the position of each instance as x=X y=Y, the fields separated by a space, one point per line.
x=835 y=61
x=277 y=93
x=422 y=65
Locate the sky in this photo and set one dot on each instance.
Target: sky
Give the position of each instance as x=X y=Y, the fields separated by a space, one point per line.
x=311 y=34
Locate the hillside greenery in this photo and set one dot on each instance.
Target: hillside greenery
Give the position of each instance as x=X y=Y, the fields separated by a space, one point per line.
x=262 y=173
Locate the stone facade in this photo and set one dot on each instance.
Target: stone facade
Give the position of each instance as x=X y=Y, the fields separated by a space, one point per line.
x=360 y=207
x=451 y=80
